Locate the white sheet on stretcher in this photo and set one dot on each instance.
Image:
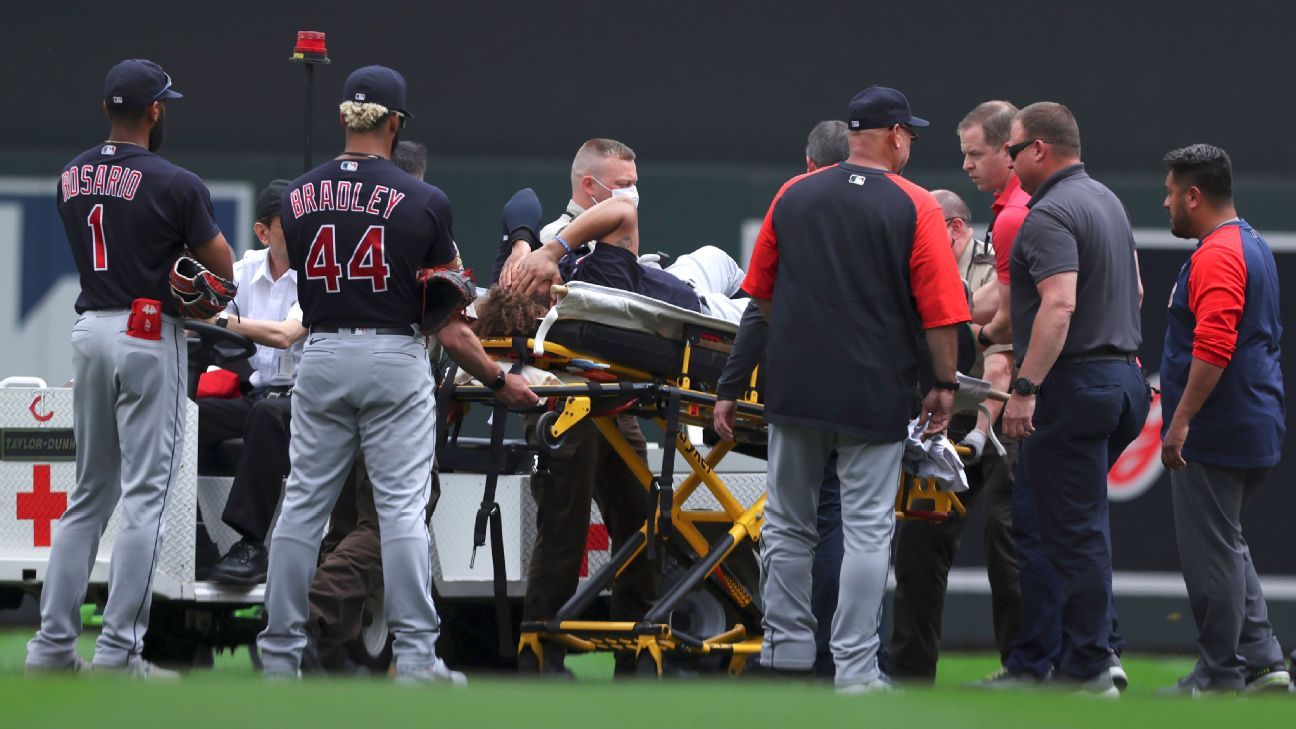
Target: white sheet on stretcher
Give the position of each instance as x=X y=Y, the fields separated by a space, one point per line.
x=626 y=310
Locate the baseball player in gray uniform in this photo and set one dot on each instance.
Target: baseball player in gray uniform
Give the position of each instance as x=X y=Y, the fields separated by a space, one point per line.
x=358 y=229
x=128 y=214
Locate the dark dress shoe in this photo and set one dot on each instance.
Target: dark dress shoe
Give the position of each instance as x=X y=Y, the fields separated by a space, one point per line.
x=244 y=564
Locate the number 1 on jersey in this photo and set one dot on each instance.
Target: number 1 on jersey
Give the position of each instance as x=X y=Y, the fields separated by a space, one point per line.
x=368 y=261
x=98 y=246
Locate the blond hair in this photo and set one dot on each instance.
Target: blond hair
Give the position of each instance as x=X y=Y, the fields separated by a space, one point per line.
x=594 y=152
x=362 y=116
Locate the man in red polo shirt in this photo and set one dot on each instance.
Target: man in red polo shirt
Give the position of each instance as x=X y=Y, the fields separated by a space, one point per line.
x=852 y=263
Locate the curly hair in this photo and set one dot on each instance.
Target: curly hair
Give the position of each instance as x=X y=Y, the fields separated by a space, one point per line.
x=505 y=313
x=361 y=117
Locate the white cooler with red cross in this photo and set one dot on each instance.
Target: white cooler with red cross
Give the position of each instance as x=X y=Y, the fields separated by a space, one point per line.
x=38 y=474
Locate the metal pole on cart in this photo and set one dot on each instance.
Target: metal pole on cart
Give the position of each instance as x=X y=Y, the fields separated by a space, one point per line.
x=309 y=51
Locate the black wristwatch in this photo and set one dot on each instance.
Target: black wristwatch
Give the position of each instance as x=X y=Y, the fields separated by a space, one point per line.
x=983 y=340
x=497 y=383
x=951 y=386
x=1025 y=387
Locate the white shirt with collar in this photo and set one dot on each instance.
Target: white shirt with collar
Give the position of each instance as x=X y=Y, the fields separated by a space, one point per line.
x=548 y=232
x=261 y=297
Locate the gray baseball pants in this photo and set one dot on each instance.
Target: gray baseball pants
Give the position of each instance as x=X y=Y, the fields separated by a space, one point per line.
x=129 y=399
x=870 y=475
x=1233 y=630
x=374 y=393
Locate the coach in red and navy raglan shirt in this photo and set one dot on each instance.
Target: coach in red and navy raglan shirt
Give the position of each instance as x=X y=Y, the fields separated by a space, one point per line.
x=852 y=264
x=1222 y=404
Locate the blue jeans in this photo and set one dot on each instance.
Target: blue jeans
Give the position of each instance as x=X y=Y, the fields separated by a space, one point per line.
x=1086 y=414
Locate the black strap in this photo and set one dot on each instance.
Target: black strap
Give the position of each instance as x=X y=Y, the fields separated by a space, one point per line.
x=664 y=485
x=488 y=515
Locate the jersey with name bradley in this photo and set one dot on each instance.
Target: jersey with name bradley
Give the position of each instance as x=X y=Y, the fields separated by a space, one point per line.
x=357 y=231
x=128 y=214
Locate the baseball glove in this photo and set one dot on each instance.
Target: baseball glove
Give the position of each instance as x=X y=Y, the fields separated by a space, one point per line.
x=200 y=293
x=446 y=293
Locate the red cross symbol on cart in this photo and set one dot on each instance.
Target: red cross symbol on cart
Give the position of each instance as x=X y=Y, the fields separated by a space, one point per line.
x=595 y=541
x=41 y=506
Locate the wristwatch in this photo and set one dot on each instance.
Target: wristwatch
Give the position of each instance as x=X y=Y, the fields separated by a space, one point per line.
x=1025 y=387
x=222 y=320
x=951 y=386
x=498 y=382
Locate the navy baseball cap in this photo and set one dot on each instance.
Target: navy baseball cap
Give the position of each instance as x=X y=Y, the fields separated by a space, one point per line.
x=136 y=82
x=879 y=107
x=377 y=85
x=270 y=201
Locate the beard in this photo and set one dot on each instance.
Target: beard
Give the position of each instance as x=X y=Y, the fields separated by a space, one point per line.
x=157 y=134
x=1179 y=226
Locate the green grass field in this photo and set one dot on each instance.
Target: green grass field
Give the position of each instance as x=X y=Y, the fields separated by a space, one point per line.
x=231 y=695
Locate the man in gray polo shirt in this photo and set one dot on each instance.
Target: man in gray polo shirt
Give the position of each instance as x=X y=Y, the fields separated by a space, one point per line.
x=1080 y=397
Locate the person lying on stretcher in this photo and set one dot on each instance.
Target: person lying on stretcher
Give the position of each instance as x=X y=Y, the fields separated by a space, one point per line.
x=703 y=281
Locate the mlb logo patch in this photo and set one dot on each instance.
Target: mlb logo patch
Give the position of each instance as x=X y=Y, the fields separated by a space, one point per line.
x=857 y=179
x=359 y=97
x=108 y=149
x=349 y=166
x=854 y=125
x=117 y=99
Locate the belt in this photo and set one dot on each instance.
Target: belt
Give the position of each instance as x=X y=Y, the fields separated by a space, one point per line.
x=406 y=331
x=270 y=392
x=1109 y=355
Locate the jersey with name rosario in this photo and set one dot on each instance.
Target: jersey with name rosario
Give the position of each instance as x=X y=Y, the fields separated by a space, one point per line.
x=128 y=214
x=357 y=232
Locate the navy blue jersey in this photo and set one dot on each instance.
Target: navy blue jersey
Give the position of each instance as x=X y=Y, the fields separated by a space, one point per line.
x=615 y=267
x=128 y=214
x=357 y=233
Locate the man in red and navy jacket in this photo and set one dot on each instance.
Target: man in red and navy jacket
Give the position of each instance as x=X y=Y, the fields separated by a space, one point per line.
x=1222 y=403
x=851 y=267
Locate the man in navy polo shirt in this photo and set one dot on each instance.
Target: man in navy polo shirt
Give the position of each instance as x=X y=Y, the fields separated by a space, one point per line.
x=851 y=265
x=1222 y=403
x=1075 y=326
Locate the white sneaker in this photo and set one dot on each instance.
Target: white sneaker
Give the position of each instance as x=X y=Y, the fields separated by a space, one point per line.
x=1100 y=687
x=438 y=672
x=270 y=673
x=78 y=665
x=1117 y=673
x=1269 y=679
x=140 y=668
x=880 y=685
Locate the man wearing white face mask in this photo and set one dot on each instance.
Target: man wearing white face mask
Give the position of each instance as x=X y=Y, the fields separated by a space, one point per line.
x=603 y=169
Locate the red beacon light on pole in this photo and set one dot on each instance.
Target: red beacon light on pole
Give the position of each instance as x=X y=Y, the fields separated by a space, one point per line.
x=309 y=51
x=310 y=47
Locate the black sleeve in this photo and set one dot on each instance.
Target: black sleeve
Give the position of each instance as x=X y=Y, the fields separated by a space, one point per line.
x=442 y=249
x=197 y=216
x=520 y=218
x=748 y=351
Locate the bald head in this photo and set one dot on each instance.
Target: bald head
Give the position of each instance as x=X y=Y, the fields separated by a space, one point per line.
x=952 y=205
x=958 y=219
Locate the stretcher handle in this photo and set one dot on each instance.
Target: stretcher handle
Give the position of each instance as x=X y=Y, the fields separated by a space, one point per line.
x=558 y=289
x=997 y=395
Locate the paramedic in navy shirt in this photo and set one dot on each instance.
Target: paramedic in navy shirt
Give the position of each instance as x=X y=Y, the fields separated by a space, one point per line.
x=1222 y=402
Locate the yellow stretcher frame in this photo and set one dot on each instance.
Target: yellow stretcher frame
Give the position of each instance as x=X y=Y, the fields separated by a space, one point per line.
x=652 y=639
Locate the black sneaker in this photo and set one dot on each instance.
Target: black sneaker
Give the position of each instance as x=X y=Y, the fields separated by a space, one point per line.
x=244 y=564
x=1273 y=678
x=1005 y=680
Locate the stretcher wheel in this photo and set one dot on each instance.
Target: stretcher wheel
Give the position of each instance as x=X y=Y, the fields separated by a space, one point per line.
x=544 y=430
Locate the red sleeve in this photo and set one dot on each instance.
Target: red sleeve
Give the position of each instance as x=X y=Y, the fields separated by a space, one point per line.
x=1216 y=297
x=933 y=273
x=763 y=266
x=1002 y=234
